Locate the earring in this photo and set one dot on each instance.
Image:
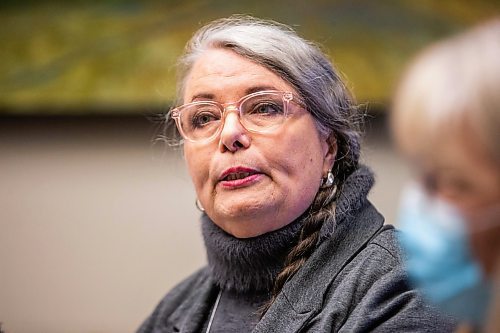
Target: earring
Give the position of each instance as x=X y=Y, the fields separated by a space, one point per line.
x=198 y=205
x=327 y=181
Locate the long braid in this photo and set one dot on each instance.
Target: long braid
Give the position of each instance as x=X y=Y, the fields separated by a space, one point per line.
x=322 y=208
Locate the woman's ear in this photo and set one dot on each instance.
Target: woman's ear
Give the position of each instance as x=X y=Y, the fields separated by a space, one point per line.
x=330 y=152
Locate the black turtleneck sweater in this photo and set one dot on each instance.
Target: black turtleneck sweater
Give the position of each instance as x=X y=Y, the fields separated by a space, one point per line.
x=244 y=271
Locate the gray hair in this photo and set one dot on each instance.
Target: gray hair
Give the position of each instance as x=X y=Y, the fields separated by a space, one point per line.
x=300 y=63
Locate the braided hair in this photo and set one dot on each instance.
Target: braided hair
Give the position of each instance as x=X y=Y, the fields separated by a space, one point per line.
x=305 y=67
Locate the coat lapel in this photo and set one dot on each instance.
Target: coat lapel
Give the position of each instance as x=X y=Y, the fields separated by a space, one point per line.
x=300 y=300
x=191 y=317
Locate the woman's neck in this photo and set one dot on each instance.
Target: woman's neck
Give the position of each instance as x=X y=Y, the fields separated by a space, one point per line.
x=247 y=264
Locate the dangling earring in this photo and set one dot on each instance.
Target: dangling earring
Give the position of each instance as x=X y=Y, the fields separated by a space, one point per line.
x=328 y=180
x=198 y=205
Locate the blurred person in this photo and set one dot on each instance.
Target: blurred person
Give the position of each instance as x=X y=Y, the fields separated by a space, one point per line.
x=270 y=139
x=446 y=121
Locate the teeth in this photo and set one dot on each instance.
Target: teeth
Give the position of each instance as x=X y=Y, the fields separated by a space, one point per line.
x=238 y=175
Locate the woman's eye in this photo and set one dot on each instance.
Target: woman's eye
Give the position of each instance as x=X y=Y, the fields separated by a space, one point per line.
x=455 y=186
x=266 y=109
x=203 y=118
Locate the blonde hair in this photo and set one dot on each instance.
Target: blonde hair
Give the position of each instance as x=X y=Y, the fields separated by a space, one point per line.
x=451 y=86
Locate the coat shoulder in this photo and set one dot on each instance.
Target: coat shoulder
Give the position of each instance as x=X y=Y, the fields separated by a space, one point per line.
x=388 y=239
x=373 y=293
x=174 y=299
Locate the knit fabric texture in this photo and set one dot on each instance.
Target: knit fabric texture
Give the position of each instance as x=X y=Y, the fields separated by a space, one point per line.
x=244 y=264
x=353 y=195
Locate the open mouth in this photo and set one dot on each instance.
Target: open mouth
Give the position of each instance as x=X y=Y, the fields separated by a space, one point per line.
x=237 y=175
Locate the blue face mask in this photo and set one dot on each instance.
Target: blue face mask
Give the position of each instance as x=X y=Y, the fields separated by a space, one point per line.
x=438 y=258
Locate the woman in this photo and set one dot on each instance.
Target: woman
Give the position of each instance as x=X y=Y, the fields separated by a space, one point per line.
x=447 y=122
x=292 y=242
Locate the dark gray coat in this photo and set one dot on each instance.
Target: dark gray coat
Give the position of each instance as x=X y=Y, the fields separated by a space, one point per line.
x=353 y=282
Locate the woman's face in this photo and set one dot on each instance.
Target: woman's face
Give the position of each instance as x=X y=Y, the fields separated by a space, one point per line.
x=285 y=166
x=460 y=171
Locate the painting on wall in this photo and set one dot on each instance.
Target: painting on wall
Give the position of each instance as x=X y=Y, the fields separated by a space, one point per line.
x=118 y=56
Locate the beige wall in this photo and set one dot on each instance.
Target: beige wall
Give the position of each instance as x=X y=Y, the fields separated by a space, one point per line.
x=96 y=224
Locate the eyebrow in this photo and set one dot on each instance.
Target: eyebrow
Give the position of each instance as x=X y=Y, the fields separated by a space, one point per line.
x=248 y=91
x=202 y=96
x=255 y=89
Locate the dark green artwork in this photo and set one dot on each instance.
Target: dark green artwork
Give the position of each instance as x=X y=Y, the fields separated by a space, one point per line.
x=68 y=57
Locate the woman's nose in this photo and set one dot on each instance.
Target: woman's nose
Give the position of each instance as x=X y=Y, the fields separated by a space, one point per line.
x=233 y=135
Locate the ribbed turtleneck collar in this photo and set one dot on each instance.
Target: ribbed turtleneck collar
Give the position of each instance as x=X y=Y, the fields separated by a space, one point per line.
x=251 y=264
x=352 y=196
x=245 y=264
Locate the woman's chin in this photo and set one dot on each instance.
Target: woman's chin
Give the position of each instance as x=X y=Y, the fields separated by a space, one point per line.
x=244 y=205
x=246 y=229
x=246 y=221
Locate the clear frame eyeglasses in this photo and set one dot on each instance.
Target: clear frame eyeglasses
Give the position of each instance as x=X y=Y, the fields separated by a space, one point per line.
x=259 y=112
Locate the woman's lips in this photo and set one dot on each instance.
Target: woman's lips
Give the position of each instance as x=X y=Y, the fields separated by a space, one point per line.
x=239 y=177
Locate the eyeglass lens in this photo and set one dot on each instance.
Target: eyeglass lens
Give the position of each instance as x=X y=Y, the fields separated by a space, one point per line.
x=258 y=113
